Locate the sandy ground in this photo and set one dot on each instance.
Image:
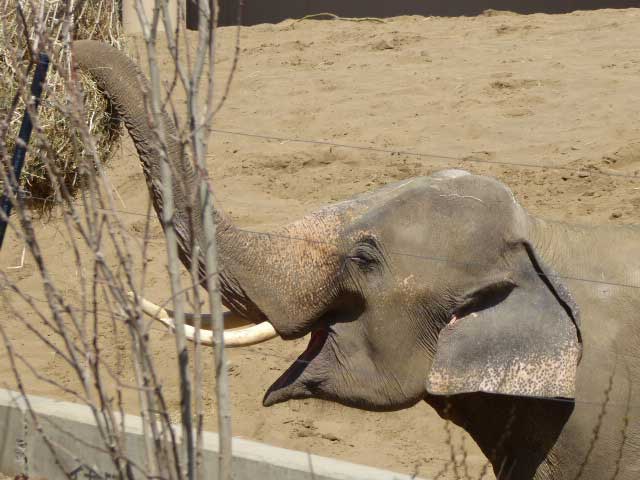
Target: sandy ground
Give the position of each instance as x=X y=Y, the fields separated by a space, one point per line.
x=558 y=91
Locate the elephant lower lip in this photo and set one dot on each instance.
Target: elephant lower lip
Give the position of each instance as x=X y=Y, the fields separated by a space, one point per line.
x=316 y=341
x=285 y=387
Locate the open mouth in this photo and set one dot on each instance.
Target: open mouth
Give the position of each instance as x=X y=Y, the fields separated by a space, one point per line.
x=279 y=391
x=308 y=376
x=290 y=384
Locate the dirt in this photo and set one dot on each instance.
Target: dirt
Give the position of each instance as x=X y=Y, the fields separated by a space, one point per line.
x=502 y=95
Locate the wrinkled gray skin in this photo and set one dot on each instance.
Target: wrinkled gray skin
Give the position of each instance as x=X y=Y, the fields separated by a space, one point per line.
x=440 y=289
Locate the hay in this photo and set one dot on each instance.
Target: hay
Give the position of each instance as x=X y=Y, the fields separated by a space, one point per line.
x=59 y=145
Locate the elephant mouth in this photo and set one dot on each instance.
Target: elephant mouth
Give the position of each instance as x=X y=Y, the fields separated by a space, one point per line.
x=307 y=376
x=291 y=384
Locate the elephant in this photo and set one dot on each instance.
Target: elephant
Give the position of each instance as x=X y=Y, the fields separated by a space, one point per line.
x=442 y=289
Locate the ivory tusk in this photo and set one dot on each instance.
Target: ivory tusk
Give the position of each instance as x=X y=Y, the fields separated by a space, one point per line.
x=242 y=337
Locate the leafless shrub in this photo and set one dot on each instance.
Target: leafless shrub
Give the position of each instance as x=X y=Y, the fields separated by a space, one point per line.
x=78 y=327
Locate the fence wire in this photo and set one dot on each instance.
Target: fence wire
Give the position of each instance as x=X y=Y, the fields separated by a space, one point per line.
x=399 y=151
x=413 y=153
x=410 y=254
x=260 y=348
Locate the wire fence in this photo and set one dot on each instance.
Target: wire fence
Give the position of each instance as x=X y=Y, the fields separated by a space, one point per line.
x=433 y=156
x=417 y=256
x=264 y=349
x=443 y=158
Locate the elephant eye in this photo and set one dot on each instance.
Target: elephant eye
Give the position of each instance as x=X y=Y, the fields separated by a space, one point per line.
x=366 y=255
x=362 y=258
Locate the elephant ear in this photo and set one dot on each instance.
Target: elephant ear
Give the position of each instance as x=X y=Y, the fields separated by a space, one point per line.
x=516 y=336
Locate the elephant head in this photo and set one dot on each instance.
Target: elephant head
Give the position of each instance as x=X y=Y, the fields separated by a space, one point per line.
x=430 y=286
x=437 y=289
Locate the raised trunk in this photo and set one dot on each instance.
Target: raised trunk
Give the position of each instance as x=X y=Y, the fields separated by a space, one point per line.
x=127 y=87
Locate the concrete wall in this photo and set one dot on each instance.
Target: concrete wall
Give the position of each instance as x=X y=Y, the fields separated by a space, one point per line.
x=72 y=430
x=272 y=11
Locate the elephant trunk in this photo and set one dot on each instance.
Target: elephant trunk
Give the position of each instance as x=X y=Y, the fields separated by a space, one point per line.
x=125 y=85
x=285 y=278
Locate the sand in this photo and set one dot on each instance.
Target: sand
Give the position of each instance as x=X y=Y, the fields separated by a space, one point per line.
x=485 y=93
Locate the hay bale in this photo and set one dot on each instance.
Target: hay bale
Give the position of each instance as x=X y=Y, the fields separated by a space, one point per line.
x=59 y=145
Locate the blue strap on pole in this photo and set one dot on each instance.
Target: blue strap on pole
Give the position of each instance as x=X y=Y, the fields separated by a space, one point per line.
x=21 y=147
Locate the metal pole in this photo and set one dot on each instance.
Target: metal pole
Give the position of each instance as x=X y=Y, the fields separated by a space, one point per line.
x=20 y=151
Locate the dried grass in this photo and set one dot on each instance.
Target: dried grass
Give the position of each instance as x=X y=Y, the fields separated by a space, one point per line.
x=97 y=19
